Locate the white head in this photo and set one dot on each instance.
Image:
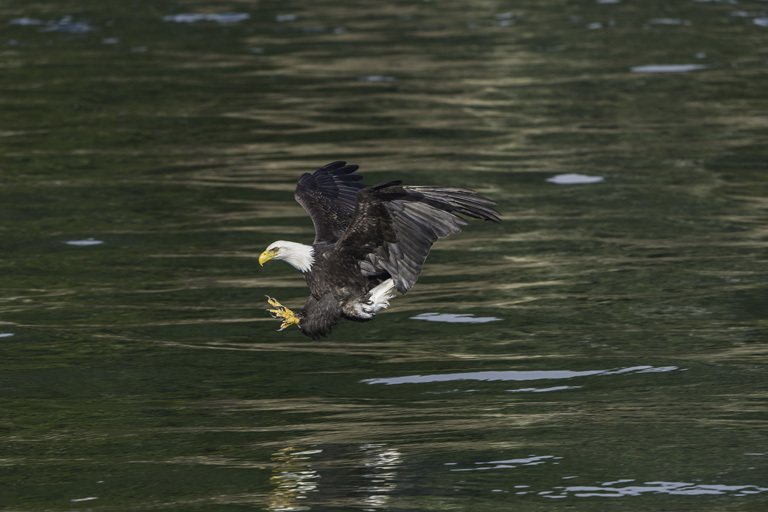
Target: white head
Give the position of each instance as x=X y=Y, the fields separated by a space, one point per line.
x=300 y=256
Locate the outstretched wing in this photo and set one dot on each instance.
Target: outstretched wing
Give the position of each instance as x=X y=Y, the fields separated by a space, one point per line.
x=328 y=196
x=394 y=226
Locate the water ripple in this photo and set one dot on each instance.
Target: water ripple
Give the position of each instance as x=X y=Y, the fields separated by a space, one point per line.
x=533 y=460
x=224 y=18
x=464 y=318
x=64 y=24
x=574 y=179
x=668 y=68
x=680 y=488
x=515 y=375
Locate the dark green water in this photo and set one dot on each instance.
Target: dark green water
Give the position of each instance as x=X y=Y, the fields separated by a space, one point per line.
x=604 y=348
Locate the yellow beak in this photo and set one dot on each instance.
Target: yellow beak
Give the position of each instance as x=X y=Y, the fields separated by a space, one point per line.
x=266 y=256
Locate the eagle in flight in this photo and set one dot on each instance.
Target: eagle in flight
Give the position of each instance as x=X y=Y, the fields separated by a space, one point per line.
x=369 y=242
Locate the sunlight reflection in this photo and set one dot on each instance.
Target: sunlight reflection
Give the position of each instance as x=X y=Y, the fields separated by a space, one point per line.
x=64 y=24
x=293 y=480
x=360 y=476
x=668 y=68
x=223 y=18
x=84 y=243
x=543 y=390
x=515 y=375
x=616 y=488
x=574 y=179
x=607 y=490
x=465 y=318
x=532 y=460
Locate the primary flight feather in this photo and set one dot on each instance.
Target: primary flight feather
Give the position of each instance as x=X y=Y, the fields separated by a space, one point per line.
x=369 y=242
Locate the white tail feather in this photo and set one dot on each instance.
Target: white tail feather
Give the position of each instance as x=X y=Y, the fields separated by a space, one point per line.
x=379 y=296
x=378 y=299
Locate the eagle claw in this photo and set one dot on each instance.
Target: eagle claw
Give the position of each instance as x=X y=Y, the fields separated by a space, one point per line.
x=282 y=313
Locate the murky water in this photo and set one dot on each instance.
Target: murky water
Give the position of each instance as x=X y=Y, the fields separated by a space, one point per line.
x=602 y=349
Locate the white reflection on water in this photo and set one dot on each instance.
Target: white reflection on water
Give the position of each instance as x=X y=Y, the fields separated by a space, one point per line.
x=382 y=464
x=377 y=78
x=611 y=489
x=668 y=68
x=26 y=21
x=65 y=24
x=574 y=179
x=668 y=21
x=362 y=476
x=532 y=460
x=294 y=478
x=464 y=318
x=543 y=390
x=227 y=17
x=607 y=490
x=84 y=243
x=515 y=375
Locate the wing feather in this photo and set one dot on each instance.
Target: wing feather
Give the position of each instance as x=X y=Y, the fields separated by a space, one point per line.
x=395 y=226
x=328 y=195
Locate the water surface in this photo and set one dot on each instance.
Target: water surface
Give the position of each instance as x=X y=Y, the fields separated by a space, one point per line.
x=604 y=348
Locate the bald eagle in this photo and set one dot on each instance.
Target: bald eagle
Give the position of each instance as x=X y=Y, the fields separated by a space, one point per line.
x=369 y=242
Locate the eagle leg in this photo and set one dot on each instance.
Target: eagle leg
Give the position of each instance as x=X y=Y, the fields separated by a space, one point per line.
x=282 y=313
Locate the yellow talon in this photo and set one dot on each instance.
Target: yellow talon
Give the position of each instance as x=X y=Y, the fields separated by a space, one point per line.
x=283 y=313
